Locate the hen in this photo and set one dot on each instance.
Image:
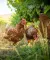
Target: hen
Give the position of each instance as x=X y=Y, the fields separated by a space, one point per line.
x=17 y=33
x=31 y=33
x=44 y=25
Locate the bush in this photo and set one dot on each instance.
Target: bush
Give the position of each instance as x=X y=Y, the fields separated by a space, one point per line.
x=15 y=19
x=29 y=9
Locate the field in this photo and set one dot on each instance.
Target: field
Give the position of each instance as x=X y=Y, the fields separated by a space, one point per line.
x=25 y=30
x=38 y=50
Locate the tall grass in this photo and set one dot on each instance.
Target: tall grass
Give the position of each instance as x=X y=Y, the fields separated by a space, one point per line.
x=38 y=51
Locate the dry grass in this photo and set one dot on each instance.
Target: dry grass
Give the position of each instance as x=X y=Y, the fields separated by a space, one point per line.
x=4 y=44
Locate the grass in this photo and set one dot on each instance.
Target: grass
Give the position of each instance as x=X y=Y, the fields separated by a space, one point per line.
x=38 y=50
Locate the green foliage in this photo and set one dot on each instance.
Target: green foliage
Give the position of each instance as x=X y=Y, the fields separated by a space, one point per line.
x=47 y=10
x=49 y=50
x=29 y=9
x=26 y=9
x=39 y=51
x=15 y=19
x=9 y=55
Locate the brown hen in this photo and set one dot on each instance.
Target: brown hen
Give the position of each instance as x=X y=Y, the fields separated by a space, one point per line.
x=44 y=25
x=31 y=33
x=17 y=33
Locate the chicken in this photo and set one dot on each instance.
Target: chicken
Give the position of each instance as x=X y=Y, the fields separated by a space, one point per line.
x=17 y=33
x=44 y=25
x=48 y=32
x=31 y=33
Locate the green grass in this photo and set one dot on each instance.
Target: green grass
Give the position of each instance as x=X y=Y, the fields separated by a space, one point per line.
x=38 y=51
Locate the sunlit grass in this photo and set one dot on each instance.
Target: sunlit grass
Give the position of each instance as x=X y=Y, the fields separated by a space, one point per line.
x=23 y=51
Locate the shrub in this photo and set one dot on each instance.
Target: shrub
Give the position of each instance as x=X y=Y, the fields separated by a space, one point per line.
x=15 y=19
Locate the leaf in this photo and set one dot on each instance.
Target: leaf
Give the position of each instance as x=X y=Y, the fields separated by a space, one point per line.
x=47 y=8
